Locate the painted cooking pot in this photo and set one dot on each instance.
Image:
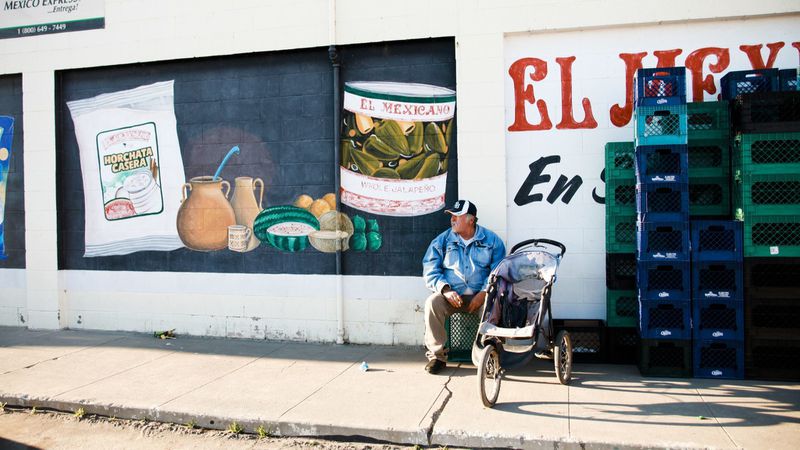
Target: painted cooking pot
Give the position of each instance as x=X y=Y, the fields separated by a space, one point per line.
x=395 y=147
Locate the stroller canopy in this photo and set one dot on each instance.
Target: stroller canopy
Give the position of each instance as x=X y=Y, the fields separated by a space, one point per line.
x=528 y=271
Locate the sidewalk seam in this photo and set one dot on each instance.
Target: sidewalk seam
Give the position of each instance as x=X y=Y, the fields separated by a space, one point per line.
x=219 y=377
x=62 y=355
x=321 y=387
x=711 y=413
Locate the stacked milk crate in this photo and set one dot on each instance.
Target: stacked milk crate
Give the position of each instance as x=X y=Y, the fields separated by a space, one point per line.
x=716 y=241
x=765 y=113
x=622 y=307
x=662 y=206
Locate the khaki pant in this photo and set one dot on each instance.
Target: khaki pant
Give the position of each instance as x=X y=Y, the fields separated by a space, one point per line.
x=437 y=309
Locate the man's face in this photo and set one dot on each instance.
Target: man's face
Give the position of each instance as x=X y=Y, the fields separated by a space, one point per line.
x=462 y=223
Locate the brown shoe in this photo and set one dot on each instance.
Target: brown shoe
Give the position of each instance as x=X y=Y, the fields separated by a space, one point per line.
x=435 y=366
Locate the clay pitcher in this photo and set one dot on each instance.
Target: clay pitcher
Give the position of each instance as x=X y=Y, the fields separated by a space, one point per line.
x=245 y=206
x=205 y=214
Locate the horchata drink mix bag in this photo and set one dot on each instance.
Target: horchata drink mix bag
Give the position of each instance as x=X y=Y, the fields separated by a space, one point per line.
x=132 y=170
x=6 y=137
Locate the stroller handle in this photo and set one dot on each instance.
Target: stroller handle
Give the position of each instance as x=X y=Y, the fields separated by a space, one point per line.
x=536 y=242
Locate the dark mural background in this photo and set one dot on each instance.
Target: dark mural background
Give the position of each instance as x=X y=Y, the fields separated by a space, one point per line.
x=14 y=225
x=278 y=107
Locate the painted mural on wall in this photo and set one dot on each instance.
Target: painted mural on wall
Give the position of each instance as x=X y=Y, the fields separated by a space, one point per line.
x=395 y=141
x=6 y=138
x=568 y=94
x=131 y=164
x=254 y=191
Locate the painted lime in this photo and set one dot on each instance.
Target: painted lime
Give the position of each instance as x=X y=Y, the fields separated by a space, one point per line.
x=373 y=225
x=285 y=227
x=358 y=242
x=374 y=241
x=358 y=224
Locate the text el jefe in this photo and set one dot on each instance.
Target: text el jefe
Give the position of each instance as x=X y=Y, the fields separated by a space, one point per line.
x=719 y=60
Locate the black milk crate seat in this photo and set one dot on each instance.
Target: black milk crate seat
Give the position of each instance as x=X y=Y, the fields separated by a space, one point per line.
x=660 y=358
x=462 y=328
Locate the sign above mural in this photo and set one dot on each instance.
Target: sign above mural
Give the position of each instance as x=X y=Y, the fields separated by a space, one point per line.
x=568 y=94
x=21 y=18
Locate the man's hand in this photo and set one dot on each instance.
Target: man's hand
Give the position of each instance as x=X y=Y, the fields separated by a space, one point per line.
x=477 y=302
x=453 y=298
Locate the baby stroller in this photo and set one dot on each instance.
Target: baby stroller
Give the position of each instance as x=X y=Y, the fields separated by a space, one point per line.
x=516 y=321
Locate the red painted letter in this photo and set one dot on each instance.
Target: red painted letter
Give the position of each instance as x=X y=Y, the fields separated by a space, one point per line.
x=524 y=94
x=666 y=58
x=621 y=115
x=694 y=62
x=753 y=53
x=567 y=118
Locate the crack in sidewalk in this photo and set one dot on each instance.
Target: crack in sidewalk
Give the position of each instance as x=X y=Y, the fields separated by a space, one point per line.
x=30 y=366
x=434 y=415
x=711 y=413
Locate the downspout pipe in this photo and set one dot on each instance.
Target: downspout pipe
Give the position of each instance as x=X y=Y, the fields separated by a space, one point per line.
x=333 y=55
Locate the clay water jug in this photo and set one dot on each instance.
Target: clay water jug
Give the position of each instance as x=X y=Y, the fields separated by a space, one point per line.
x=205 y=214
x=245 y=206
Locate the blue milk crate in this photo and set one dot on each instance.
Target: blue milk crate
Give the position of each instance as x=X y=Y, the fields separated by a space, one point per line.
x=718 y=320
x=722 y=280
x=717 y=240
x=660 y=86
x=661 y=125
x=788 y=80
x=665 y=319
x=662 y=163
x=719 y=359
x=662 y=280
x=662 y=241
x=659 y=202
x=741 y=82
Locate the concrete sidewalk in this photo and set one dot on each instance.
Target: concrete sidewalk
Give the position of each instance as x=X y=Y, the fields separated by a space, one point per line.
x=319 y=390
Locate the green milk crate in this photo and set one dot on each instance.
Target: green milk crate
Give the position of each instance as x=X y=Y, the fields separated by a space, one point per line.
x=621 y=233
x=710 y=196
x=709 y=158
x=774 y=236
x=620 y=160
x=620 y=196
x=767 y=195
x=462 y=329
x=622 y=308
x=766 y=153
x=708 y=120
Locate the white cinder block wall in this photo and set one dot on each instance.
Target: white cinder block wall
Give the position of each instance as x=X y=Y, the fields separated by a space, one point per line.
x=385 y=310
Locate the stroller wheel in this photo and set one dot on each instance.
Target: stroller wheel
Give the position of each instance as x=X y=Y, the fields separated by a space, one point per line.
x=489 y=375
x=562 y=357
